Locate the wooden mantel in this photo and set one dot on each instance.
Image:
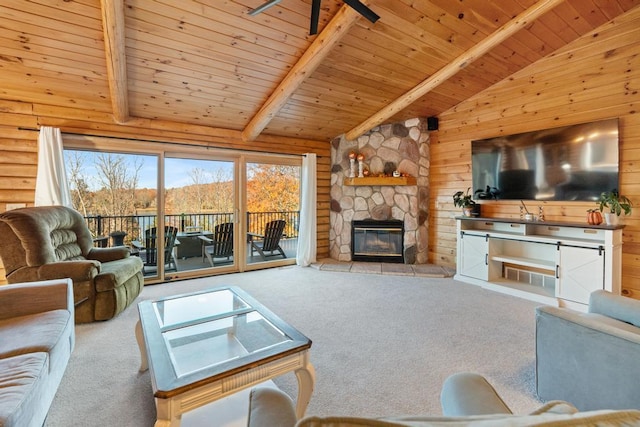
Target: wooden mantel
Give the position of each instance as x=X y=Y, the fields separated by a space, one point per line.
x=381 y=180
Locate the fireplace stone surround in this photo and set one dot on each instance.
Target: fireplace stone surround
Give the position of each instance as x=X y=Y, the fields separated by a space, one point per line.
x=404 y=146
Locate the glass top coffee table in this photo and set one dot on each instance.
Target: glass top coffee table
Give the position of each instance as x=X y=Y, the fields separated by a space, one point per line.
x=203 y=346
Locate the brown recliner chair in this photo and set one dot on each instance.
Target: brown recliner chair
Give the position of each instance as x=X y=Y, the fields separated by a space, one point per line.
x=53 y=242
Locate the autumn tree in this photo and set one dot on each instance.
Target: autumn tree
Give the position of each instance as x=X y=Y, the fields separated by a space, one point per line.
x=209 y=191
x=273 y=188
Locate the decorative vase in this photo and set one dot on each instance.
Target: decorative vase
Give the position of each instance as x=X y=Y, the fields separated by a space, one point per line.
x=467 y=211
x=352 y=168
x=611 y=218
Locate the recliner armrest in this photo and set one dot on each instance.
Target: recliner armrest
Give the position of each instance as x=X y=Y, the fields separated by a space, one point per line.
x=466 y=394
x=22 y=299
x=270 y=407
x=78 y=271
x=109 y=254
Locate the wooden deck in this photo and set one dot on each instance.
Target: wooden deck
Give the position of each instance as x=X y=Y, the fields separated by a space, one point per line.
x=197 y=262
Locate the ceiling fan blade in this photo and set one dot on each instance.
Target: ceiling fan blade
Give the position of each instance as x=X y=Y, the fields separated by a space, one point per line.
x=363 y=10
x=315 y=15
x=263 y=7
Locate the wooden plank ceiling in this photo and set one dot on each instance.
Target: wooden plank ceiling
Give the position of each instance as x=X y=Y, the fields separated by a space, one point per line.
x=208 y=62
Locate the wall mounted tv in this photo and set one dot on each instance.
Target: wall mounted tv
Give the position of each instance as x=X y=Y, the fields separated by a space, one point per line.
x=569 y=163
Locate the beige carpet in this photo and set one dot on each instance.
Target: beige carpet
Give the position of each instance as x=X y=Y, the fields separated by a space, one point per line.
x=382 y=345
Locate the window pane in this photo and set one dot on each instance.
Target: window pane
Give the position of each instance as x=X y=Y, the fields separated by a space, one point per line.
x=273 y=194
x=115 y=192
x=199 y=203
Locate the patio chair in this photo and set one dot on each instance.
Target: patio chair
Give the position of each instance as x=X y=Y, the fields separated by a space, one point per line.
x=270 y=241
x=150 y=247
x=220 y=245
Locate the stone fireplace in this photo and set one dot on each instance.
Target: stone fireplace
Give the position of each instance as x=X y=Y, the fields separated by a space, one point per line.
x=400 y=147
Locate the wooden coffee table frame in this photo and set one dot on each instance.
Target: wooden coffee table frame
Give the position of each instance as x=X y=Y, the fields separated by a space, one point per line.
x=175 y=396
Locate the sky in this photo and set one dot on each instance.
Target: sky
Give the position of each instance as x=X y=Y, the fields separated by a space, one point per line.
x=176 y=170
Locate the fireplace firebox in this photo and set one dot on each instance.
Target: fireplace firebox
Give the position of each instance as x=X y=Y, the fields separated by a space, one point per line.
x=377 y=241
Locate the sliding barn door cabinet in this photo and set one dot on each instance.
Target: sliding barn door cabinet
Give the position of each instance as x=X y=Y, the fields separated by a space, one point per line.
x=553 y=263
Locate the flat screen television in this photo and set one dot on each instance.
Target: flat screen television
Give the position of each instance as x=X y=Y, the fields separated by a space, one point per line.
x=569 y=163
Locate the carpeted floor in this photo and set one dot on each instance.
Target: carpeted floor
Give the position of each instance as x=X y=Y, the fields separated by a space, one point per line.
x=382 y=345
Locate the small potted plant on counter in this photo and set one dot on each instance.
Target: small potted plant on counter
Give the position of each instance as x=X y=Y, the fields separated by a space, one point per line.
x=612 y=204
x=465 y=201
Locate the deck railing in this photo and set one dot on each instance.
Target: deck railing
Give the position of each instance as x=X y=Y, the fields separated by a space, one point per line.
x=108 y=229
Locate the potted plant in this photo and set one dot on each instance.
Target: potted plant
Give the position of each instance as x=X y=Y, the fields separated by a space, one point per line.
x=465 y=201
x=612 y=204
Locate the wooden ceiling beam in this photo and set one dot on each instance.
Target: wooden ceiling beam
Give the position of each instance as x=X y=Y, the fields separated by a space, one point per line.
x=449 y=70
x=114 y=47
x=306 y=65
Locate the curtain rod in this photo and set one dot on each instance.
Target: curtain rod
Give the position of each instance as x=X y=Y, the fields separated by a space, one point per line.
x=181 y=144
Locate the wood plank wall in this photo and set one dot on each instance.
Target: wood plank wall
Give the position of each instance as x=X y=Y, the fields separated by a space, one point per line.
x=19 y=151
x=596 y=77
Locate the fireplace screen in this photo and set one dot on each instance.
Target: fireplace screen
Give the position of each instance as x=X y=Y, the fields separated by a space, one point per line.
x=377 y=241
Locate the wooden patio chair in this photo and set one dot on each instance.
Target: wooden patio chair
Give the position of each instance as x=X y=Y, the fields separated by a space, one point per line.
x=150 y=247
x=270 y=241
x=220 y=245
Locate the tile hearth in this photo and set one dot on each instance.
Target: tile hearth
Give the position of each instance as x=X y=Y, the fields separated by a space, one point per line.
x=422 y=270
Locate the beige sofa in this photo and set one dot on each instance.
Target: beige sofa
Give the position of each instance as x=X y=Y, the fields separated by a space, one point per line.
x=53 y=242
x=37 y=337
x=467 y=400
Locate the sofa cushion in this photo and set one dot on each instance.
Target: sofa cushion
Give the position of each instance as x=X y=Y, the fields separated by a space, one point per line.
x=583 y=419
x=616 y=306
x=115 y=273
x=34 y=333
x=22 y=379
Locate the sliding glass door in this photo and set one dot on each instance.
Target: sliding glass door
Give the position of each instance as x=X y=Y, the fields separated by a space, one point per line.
x=117 y=193
x=200 y=209
x=272 y=193
x=186 y=213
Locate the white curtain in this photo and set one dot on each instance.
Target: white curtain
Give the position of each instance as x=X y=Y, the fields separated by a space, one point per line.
x=52 y=187
x=307 y=244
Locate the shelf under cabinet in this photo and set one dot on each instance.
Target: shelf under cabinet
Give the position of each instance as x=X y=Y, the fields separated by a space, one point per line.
x=526 y=262
x=545 y=291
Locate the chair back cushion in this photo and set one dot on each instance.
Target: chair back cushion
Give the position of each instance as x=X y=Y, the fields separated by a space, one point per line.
x=41 y=235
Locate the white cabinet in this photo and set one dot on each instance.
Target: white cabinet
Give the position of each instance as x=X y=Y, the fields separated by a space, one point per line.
x=475 y=251
x=580 y=272
x=550 y=262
